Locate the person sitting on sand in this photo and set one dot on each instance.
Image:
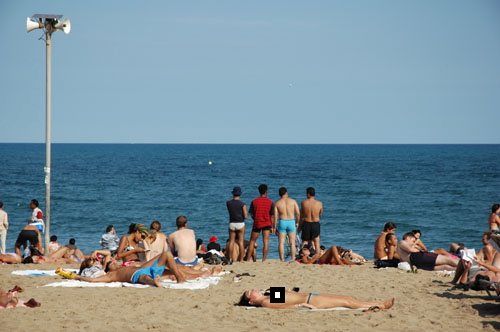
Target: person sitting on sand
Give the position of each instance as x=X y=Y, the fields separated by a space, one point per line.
x=109 y=240
x=331 y=256
x=421 y=247
x=380 y=249
x=294 y=300
x=9 y=299
x=182 y=242
x=53 y=244
x=423 y=260
x=149 y=273
x=467 y=274
x=130 y=249
x=392 y=257
x=157 y=240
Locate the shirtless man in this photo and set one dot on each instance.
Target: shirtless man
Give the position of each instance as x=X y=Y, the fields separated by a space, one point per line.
x=494 y=219
x=380 y=249
x=311 y=211
x=149 y=273
x=289 y=215
x=423 y=260
x=183 y=242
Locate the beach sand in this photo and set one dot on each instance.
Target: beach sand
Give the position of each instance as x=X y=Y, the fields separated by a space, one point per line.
x=424 y=302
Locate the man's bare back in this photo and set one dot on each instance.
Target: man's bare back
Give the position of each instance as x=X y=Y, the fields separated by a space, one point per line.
x=184 y=242
x=311 y=210
x=287 y=208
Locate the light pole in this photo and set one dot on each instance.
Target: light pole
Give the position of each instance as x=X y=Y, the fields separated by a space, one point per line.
x=49 y=23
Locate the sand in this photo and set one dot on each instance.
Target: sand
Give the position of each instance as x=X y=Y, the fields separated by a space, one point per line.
x=424 y=302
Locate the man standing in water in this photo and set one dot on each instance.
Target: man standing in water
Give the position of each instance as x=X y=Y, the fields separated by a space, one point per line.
x=311 y=211
x=262 y=212
x=289 y=216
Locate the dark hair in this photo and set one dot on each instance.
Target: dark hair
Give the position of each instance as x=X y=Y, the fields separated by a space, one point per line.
x=53 y=238
x=199 y=242
x=1 y=205
x=86 y=263
x=35 y=202
x=282 y=191
x=131 y=228
x=262 y=189
x=28 y=260
x=389 y=225
x=72 y=241
x=109 y=228
x=409 y=234
x=310 y=191
x=244 y=301
x=415 y=231
x=495 y=207
x=181 y=221
x=388 y=236
x=322 y=247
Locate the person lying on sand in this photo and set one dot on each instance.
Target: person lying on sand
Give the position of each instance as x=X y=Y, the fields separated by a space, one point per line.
x=294 y=300
x=9 y=299
x=102 y=262
x=468 y=275
x=63 y=255
x=10 y=258
x=331 y=256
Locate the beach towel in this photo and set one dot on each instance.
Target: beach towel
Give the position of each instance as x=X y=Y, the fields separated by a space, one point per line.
x=38 y=273
x=198 y=283
x=307 y=309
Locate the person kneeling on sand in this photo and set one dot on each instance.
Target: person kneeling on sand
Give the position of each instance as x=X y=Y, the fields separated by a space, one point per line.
x=423 y=260
x=331 y=256
x=294 y=300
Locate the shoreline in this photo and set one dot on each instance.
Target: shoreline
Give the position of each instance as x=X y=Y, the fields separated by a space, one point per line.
x=424 y=301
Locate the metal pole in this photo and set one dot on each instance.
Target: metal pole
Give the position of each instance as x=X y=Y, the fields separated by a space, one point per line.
x=48 y=119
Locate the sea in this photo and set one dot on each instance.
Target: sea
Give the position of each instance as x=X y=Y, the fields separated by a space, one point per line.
x=446 y=191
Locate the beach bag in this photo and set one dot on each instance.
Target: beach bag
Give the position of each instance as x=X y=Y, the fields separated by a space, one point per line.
x=382 y=263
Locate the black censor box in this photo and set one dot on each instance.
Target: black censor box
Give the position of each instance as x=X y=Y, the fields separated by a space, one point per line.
x=277 y=294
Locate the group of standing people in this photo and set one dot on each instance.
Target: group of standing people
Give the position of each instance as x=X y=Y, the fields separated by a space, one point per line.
x=283 y=217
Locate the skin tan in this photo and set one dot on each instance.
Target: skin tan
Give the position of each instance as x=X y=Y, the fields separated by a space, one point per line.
x=130 y=240
x=322 y=301
x=285 y=209
x=380 y=245
x=494 y=220
x=311 y=211
x=407 y=246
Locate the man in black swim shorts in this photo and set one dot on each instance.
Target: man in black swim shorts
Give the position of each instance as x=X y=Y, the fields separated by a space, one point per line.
x=423 y=260
x=29 y=233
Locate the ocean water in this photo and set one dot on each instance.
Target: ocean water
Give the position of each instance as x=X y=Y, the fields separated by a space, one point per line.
x=446 y=191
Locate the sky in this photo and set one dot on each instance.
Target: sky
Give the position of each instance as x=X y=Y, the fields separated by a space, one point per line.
x=262 y=71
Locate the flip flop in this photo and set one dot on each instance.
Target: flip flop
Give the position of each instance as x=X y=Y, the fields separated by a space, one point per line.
x=373 y=309
x=65 y=274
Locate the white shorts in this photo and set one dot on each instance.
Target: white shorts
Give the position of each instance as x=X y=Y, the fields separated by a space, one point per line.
x=236 y=226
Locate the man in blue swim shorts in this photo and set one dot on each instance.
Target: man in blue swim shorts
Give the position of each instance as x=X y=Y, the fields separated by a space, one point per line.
x=148 y=273
x=289 y=214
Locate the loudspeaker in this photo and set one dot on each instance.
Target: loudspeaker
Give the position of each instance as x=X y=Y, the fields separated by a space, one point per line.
x=65 y=25
x=32 y=25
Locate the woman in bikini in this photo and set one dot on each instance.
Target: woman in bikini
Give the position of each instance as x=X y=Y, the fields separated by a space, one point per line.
x=494 y=219
x=129 y=248
x=331 y=256
x=294 y=300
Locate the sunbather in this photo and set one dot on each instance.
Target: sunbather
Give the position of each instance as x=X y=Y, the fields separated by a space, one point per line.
x=10 y=258
x=294 y=300
x=148 y=273
x=331 y=256
x=9 y=299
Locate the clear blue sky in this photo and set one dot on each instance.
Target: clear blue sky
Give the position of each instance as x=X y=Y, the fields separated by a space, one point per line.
x=255 y=72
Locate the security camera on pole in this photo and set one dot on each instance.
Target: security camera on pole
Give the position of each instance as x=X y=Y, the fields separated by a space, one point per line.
x=49 y=23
